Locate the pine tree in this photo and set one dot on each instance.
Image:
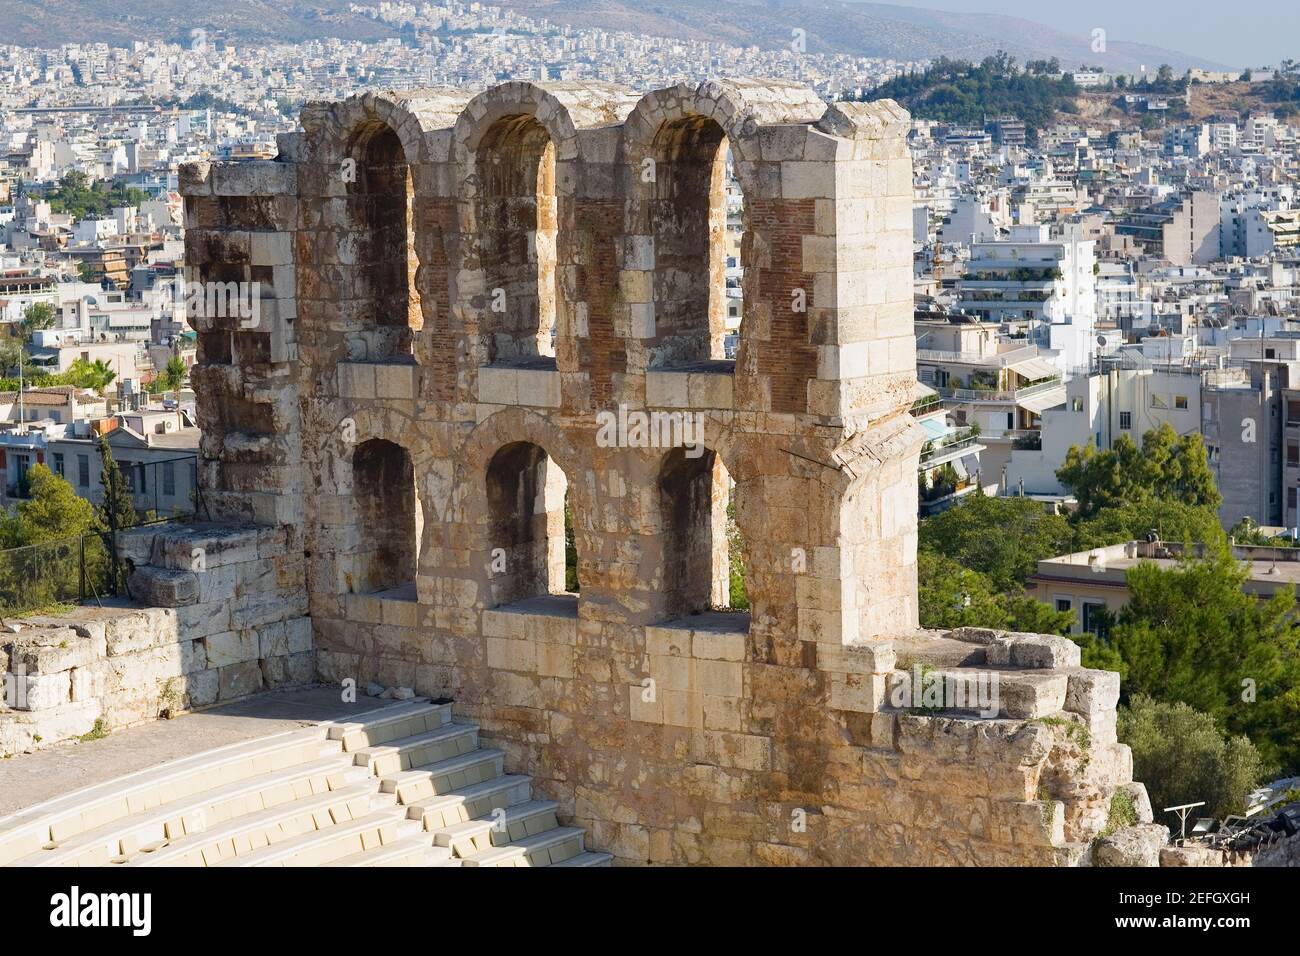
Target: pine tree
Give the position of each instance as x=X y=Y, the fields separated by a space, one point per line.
x=117 y=509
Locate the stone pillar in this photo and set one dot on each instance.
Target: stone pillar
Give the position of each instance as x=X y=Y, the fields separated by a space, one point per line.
x=240 y=225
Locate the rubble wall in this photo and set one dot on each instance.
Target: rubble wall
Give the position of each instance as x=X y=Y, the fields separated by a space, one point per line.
x=218 y=614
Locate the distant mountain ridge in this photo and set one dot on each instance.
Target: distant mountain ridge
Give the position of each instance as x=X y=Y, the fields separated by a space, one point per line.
x=830 y=26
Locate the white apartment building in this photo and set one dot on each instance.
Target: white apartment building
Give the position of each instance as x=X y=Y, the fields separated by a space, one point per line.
x=1098 y=409
x=1032 y=279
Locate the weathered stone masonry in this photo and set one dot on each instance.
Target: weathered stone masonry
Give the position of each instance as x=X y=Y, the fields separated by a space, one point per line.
x=399 y=411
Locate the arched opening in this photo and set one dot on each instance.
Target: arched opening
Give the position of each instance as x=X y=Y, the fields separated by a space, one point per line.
x=380 y=199
x=388 y=517
x=734 y=256
x=696 y=219
x=527 y=499
x=517 y=223
x=701 y=559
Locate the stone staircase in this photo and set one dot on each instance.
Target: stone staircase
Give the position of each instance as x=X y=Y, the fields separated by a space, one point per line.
x=402 y=786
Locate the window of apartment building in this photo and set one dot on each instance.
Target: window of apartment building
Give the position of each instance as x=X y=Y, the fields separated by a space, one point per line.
x=1158 y=401
x=1180 y=401
x=141 y=484
x=1125 y=420
x=83 y=471
x=1291 y=498
x=1293 y=452
x=1095 y=618
x=169 y=477
x=58 y=463
x=1293 y=411
x=1270 y=353
x=1077 y=405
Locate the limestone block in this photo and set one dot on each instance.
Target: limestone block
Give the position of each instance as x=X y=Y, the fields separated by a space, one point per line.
x=1092 y=692
x=875 y=657
x=861 y=693
x=672 y=641
x=271 y=248
x=641 y=709
x=975 y=635
x=204 y=549
x=254 y=179
x=232 y=647
x=718 y=646
x=498 y=386
x=710 y=390
x=201 y=688
x=396 y=381
x=1201 y=856
x=643 y=320
x=51 y=651
x=1138 y=845
x=1141 y=801
x=33 y=692
x=666 y=389
x=162 y=587
x=239 y=680
x=1033 y=650
x=538 y=387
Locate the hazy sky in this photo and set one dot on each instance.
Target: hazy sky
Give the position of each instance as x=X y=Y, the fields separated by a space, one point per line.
x=1235 y=32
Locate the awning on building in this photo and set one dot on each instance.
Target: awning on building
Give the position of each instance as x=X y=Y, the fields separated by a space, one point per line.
x=1034 y=369
x=1041 y=401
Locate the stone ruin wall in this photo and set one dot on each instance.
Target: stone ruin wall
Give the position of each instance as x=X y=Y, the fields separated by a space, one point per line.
x=414 y=443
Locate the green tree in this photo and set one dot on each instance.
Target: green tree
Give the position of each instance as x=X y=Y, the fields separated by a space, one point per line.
x=97 y=375
x=11 y=353
x=37 y=316
x=1183 y=756
x=951 y=595
x=117 y=509
x=1190 y=633
x=1168 y=466
x=1171 y=519
x=52 y=556
x=1003 y=538
x=173 y=375
x=52 y=511
x=85 y=272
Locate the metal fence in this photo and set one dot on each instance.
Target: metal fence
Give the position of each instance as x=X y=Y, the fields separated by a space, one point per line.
x=67 y=571
x=164 y=489
x=85 y=567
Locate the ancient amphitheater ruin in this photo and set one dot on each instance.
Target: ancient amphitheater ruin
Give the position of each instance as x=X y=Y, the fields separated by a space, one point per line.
x=457 y=294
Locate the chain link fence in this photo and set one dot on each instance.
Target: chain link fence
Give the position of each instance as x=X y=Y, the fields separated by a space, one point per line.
x=67 y=571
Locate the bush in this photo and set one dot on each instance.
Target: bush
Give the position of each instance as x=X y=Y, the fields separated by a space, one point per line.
x=1182 y=756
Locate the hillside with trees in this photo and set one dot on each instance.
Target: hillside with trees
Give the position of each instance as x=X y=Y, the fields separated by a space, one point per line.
x=965 y=93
